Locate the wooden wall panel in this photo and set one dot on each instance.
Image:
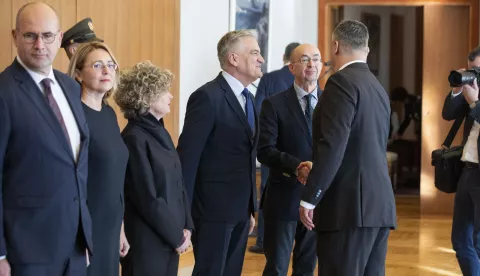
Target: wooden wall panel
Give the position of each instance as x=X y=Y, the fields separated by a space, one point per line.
x=435 y=88
x=135 y=30
x=139 y=31
x=6 y=27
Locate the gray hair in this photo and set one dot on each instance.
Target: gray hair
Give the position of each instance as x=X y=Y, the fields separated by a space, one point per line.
x=228 y=42
x=351 y=34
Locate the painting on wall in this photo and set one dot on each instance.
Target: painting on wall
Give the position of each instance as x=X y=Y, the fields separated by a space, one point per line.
x=372 y=21
x=252 y=15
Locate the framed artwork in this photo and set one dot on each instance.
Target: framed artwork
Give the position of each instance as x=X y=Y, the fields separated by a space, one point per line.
x=372 y=21
x=252 y=15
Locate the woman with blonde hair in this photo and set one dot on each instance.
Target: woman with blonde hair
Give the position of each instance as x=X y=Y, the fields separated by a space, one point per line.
x=157 y=214
x=95 y=68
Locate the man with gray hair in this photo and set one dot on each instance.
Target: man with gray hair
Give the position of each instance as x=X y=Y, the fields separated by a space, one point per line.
x=217 y=149
x=348 y=185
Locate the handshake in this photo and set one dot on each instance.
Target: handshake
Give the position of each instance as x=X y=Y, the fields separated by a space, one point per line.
x=303 y=170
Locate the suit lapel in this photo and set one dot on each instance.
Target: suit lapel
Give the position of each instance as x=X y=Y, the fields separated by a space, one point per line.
x=291 y=100
x=235 y=105
x=28 y=86
x=76 y=110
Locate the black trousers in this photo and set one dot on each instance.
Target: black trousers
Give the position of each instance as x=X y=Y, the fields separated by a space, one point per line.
x=278 y=243
x=161 y=262
x=73 y=265
x=352 y=252
x=219 y=247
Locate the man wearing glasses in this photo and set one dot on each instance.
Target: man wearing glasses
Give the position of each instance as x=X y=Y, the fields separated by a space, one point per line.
x=45 y=226
x=82 y=32
x=285 y=143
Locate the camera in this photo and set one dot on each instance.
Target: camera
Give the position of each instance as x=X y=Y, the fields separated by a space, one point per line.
x=458 y=79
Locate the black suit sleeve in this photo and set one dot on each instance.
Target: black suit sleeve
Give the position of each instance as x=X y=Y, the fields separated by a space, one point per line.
x=335 y=113
x=4 y=136
x=261 y=93
x=143 y=195
x=188 y=215
x=268 y=154
x=454 y=107
x=199 y=122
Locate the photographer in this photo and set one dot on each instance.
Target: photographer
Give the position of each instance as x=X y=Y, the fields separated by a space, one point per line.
x=463 y=102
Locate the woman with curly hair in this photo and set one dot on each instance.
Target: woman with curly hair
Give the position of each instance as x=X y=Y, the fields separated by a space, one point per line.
x=95 y=68
x=157 y=218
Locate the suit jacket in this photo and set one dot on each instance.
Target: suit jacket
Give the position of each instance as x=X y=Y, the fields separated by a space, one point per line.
x=218 y=153
x=349 y=180
x=284 y=143
x=272 y=83
x=44 y=191
x=457 y=107
x=156 y=204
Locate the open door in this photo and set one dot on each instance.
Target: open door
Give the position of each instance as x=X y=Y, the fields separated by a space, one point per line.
x=446 y=46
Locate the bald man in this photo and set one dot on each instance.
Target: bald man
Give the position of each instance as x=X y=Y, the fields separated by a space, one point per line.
x=45 y=227
x=285 y=142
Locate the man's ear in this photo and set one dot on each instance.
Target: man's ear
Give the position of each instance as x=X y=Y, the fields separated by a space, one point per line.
x=336 y=47
x=233 y=59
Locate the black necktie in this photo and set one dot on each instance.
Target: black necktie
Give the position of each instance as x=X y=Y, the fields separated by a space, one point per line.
x=249 y=109
x=54 y=106
x=308 y=111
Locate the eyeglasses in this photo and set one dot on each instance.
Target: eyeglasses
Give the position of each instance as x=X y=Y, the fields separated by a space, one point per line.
x=47 y=38
x=98 y=66
x=306 y=60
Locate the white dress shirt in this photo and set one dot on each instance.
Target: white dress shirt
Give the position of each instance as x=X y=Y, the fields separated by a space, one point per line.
x=301 y=97
x=470 y=150
x=237 y=88
x=63 y=105
x=306 y=204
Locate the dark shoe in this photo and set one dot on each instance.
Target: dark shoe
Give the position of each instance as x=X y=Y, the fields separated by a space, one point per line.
x=256 y=249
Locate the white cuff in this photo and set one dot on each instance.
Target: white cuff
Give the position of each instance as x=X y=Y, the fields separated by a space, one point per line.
x=3 y=257
x=307 y=205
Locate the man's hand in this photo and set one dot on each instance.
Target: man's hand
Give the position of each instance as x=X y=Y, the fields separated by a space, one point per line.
x=186 y=243
x=470 y=92
x=306 y=217
x=252 y=224
x=303 y=170
x=4 y=268
x=124 y=245
x=457 y=90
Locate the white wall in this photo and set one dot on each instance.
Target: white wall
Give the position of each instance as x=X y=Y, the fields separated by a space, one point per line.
x=202 y=24
x=354 y=12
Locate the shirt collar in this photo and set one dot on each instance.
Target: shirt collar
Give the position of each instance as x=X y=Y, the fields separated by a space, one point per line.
x=302 y=93
x=37 y=77
x=236 y=86
x=351 y=62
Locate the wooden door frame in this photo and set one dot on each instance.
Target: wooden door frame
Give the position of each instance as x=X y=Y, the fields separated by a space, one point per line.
x=325 y=27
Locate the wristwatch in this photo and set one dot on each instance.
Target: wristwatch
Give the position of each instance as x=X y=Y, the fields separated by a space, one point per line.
x=475 y=103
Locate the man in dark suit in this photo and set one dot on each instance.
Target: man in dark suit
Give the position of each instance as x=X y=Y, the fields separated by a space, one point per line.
x=271 y=83
x=45 y=224
x=349 y=182
x=285 y=141
x=462 y=102
x=218 y=150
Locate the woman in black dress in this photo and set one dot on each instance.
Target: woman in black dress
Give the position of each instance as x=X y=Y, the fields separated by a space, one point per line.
x=95 y=68
x=158 y=224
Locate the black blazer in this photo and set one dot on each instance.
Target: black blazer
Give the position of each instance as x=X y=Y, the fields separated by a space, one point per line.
x=44 y=189
x=349 y=180
x=218 y=153
x=457 y=107
x=272 y=83
x=156 y=203
x=284 y=143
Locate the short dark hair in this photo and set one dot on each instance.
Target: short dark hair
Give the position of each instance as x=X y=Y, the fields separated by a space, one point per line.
x=351 y=34
x=474 y=54
x=289 y=49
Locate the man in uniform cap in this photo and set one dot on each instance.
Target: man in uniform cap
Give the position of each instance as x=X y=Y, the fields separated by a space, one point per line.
x=80 y=33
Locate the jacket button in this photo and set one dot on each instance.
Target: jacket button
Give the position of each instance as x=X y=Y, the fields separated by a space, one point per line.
x=75 y=199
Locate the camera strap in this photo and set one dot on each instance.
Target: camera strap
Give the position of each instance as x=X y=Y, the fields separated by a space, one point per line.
x=453 y=132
